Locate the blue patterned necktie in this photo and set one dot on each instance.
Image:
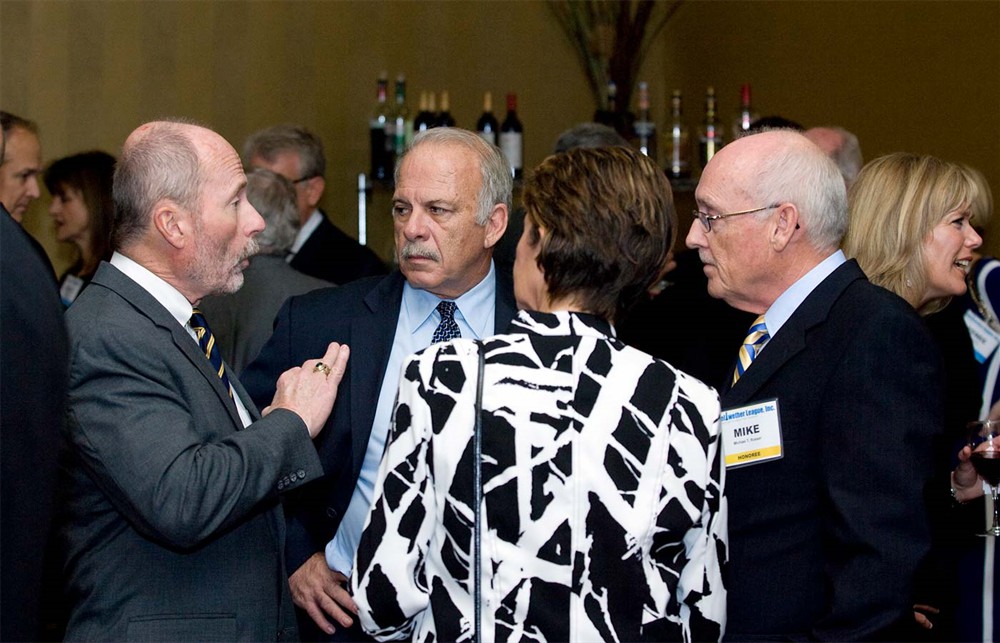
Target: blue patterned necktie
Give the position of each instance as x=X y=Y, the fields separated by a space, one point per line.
x=448 y=328
x=751 y=347
x=207 y=342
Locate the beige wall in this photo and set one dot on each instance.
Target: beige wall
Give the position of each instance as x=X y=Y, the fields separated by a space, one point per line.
x=919 y=76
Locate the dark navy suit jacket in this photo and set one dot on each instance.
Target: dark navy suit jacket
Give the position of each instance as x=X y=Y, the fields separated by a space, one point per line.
x=363 y=315
x=334 y=256
x=824 y=543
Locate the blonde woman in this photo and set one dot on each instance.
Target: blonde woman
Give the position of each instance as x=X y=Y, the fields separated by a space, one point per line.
x=910 y=227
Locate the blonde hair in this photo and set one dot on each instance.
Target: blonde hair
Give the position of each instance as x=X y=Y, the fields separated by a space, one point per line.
x=894 y=204
x=982 y=207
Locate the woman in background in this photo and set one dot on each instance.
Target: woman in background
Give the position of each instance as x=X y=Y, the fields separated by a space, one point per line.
x=978 y=609
x=910 y=228
x=82 y=210
x=602 y=513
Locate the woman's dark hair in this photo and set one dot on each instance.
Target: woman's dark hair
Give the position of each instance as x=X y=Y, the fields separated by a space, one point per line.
x=609 y=220
x=90 y=174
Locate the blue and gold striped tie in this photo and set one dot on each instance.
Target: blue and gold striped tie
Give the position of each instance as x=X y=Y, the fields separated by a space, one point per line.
x=207 y=342
x=751 y=347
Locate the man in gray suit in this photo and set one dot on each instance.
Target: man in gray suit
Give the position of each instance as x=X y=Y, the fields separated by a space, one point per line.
x=172 y=526
x=243 y=320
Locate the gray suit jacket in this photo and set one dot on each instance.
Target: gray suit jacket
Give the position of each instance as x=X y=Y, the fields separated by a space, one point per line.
x=171 y=520
x=242 y=322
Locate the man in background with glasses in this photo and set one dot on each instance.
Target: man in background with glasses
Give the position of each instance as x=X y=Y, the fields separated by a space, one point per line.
x=321 y=249
x=829 y=411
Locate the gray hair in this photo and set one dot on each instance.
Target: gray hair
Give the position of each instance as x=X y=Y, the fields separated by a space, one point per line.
x=805 y=176
x=274 y=198
x=498 y=183
x=848 y=156
x=588 y=135
x=267 y=143
x=162 y=164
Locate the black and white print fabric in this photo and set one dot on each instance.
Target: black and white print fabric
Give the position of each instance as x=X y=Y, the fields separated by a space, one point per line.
x=603 y=515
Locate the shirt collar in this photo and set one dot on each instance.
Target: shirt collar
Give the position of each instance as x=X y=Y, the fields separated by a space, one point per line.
x=169 y=297
x=307 y=229
x=475 y=306
x=562 y=322
x=792 y=298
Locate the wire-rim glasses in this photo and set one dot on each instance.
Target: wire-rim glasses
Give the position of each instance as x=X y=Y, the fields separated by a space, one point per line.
x=707 y=219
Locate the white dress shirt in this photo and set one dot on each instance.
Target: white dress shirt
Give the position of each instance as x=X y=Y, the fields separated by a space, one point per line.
x=176 y=304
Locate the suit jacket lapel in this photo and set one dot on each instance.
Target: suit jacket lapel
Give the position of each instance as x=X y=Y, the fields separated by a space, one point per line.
x=144 y=303
x=372 y=335
x=791 y=338
x=506 y=307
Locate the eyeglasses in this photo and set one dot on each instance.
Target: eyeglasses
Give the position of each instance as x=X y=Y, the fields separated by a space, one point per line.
x=304 y=178
x=707 y=219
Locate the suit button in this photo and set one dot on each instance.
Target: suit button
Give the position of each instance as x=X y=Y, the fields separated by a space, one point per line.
x=331 y=513
x=281 y=485
x=302 y=474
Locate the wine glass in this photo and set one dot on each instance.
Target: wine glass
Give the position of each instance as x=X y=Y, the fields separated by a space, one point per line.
x=984 y=438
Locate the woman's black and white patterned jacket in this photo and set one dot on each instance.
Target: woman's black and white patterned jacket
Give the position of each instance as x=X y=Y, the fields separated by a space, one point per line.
x=604 y=516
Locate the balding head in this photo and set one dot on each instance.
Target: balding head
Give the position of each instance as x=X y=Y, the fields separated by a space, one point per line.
x=159 y=160
x=181 y=208
x=784 y=166
x=788 y=207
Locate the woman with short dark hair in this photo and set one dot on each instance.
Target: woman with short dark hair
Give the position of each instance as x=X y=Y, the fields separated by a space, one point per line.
x=602 y=482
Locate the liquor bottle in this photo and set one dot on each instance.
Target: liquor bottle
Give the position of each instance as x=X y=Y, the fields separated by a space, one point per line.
x=403 y=123
x=487 y=125
x=678 y=141
x=432 y=110
x=444 y=118
x=746 y=116
x=381 y=168
x=608 y=114
x=710 y=135
x=425 y=117
x=511 y=141
x=644 y=126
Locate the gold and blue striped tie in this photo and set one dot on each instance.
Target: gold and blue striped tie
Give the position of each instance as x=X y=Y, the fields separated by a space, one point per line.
x=751 y=347
x=207 y=342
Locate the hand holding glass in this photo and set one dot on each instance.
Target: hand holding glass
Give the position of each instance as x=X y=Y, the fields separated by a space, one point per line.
x=984 y=439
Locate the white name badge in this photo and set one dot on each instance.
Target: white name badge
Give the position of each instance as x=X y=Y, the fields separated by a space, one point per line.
x=70 y=289
x=984 y=338
x=751 y=434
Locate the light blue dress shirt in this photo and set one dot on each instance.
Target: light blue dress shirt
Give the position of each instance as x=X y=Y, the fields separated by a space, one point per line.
x=418 y=318
x=792 y=298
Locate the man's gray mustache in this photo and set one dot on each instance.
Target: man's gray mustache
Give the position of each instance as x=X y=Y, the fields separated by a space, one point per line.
x=414 y=250
x=252 y=248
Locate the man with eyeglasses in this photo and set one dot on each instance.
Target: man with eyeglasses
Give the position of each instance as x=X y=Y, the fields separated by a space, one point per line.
x=321 y=249
x=829 y=412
